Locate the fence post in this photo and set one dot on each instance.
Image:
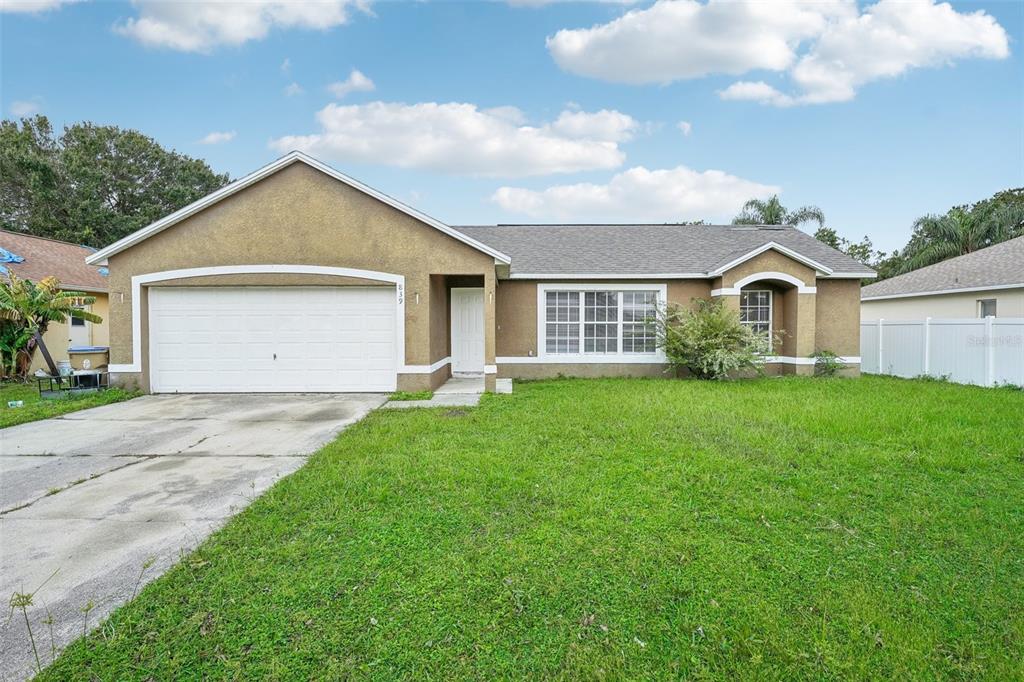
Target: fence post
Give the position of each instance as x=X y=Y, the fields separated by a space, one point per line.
x=990 y=348
x=927 y=345
x=881 y=368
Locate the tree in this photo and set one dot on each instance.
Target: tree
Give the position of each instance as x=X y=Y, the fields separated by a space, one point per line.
x=772 y=212
x=961 y=231
x=862 y=251
x=29 y=308
x=93 y=184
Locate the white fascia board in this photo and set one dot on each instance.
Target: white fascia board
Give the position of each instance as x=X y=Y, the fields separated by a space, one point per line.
x=966 y=290
x=800 y=258
x=607 y=276
x=100 y=257
x=850 y=275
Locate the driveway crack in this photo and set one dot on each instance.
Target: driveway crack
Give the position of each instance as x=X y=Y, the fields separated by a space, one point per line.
x=93 y=477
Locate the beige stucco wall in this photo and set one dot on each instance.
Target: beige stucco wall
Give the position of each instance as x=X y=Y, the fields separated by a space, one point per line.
x=299 y=216
x=517 y=310
x=838 y=316
x=1009 y=303
x=795 y=317
x=58 y=334
x=769 y=261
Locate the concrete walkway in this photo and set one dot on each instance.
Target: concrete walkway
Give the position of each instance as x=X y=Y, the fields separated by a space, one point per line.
x=92 y=501
x=458 y=391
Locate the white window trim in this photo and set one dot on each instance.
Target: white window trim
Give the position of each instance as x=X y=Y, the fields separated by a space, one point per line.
x=657 y=357
x=771 y=305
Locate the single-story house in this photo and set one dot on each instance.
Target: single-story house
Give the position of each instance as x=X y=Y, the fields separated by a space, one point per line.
x=299 y=278
x=986 y=283
x=34 y=258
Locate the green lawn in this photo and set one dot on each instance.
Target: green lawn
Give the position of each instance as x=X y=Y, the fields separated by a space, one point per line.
x=769 y=529
x=36 y=408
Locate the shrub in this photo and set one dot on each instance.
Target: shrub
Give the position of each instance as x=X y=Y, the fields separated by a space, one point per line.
x=826 y=363
x=709 y=340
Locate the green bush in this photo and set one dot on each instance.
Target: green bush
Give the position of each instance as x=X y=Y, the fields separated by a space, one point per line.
x=709 y=341
x=826 y=363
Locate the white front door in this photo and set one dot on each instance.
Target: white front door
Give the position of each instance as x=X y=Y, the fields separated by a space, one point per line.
x=78 y=332
x=272 y=339
x=468 y=330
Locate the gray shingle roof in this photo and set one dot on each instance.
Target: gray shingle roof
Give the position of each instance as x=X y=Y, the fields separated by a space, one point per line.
x=994 y=266
x=646 y=249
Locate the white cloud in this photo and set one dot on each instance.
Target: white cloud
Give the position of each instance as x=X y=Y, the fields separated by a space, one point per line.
x=218 y=137
x=889 y=39
x=828 y=48
x=356 y=82
x=758 y=91
x=25 y=108
x=293 y=89
x=612 y=126
x=685 y=127
x=541 y=3
x=286 y=65
x=667 y=195
x=202 y=26
x=32 y=6
x=686 y=39
x=461 y=138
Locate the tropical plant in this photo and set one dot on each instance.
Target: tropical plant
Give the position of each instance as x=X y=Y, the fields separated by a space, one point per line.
x=14 y=355
x=772 y=212
x=708 y=340
x=30 y=307
x=961 y=231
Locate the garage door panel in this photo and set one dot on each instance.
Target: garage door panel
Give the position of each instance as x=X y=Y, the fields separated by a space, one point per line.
x=224 y=339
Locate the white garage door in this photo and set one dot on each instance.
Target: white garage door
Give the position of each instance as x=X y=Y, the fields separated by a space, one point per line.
x=272 y=339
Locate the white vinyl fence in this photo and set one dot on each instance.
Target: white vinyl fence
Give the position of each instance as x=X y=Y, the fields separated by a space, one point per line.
x=985 y=352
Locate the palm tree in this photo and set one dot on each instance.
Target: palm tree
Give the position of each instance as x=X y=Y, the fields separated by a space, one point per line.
x=31 y=307
x=772 y=212
x=959 y=232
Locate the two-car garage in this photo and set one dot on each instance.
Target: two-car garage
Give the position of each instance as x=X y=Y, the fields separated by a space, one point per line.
x=283 y=339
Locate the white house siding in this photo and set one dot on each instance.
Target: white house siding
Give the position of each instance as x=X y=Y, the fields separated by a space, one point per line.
x=1009 y=303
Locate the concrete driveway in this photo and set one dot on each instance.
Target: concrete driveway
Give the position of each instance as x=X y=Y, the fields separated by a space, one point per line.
x=92 y=500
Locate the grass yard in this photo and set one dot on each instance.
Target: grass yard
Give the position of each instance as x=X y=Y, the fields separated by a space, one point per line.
x=35 y=408
x=768 y=529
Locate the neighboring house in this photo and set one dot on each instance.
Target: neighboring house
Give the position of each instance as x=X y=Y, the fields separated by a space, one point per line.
x=34 y=258
x=989 y=282
x=299 y=278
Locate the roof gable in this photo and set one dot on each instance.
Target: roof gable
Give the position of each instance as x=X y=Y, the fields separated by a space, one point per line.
x=771 y=246
x=100 y=257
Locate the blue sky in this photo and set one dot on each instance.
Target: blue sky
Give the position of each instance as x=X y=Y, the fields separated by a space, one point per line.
x=482 y=112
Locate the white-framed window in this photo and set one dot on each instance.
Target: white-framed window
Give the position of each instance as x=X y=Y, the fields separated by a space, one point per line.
x=77 y=321
x=756 y=312
x=599 y=321
x=987 y=307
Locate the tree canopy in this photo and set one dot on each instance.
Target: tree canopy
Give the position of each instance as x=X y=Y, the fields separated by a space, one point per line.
x=772 y=212
x=961 y=230
x=92 y=184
